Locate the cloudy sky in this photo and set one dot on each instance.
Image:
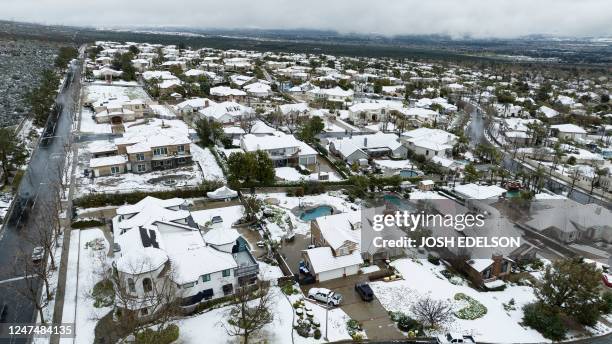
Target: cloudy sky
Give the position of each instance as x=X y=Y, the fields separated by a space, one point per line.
x=478 y=18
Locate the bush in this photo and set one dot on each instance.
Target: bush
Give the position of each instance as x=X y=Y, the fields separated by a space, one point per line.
x=544 y=320
x=165 y=336
x=317 y=334
x=103 y=294
x=474 y=309
x=433 y=259
x=86 y=224
x=102 y=199
x=406 y=323
x=606 y=305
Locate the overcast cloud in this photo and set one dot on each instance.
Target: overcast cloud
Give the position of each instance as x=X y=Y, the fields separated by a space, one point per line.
x=478 y=18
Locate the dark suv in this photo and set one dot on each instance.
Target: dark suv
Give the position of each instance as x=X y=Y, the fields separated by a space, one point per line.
x=364 y=291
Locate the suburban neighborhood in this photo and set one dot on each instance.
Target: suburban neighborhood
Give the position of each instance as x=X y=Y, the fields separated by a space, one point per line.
x=180 y=193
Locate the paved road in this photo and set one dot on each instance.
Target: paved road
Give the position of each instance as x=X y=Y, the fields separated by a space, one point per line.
x=35 y=191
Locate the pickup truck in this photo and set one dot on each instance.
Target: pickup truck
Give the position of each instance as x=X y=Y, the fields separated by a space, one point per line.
x=325 y=295
x=455 y=338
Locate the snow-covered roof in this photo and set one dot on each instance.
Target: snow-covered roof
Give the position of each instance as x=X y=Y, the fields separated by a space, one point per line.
x=221 y=236
x=339 y=228
x=480 y=264
x=568 y=128
x=475 y=191
x=224 y=91
x=322 y=259
x=107 y=161
x=149 y=200
x=348 y=145
x=548 y=112
x=289 y=108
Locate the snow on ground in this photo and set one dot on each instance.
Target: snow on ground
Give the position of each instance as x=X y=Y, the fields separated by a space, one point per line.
x=95 y=92
x=182 y=177
x=333 y=198
x=6 y=198
x=395 y=164
x=89 y=263
x=277 y=332
x=422 y=278
x=207 y=162
x=291 y=174
x=269 y=272
x=368 y=269
x=89 y=125
x=228 y=214
x=418 y=194
x=162 y=111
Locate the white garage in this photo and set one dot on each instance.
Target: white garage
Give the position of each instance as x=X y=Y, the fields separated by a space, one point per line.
x=325 y=266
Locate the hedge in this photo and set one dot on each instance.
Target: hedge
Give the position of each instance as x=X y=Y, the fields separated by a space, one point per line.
x=165 y=336
x=104 y=199
x=86 y=224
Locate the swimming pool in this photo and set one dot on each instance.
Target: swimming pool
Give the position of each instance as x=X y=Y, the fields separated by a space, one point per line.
x=311 y=214
x=408 y=173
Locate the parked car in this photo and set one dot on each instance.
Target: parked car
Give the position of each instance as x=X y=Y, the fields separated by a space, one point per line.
x=307 y=279
x=364 y=291
x=325 y=295
x=607 y=279
x=455 y=338
x=37 y=254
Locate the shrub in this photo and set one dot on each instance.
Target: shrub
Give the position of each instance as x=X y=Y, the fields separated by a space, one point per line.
x=103 y=294
x=606 y=305
x=544 y=320
x=317 y=334
x=433 y=259
x=86 y=224
x=165 y=336
x=474 y=309
x=406 y=323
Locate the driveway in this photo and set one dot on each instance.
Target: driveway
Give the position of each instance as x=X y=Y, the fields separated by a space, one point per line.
x=373 y=317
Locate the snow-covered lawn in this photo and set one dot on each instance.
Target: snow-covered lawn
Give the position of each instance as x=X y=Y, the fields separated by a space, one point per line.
x=188 y=176
x=212 y=324
x=207 y=162
x=291 y=174
x=496 y=326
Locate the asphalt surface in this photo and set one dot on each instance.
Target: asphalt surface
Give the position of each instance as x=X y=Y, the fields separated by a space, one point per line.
x=36 y=190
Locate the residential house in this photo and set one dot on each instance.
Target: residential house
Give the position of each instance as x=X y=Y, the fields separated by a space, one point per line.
x=226 y=112
x=376 y=145
x=284 y=149
x=429 y=142
x=568 y=131
x=160 y=247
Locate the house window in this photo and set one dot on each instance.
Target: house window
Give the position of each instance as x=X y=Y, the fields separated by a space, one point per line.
x=189 y=285
x=228 y=289
x=181 y=149
x=160 y=151
x=141 y=168
x=147 y=285
x=131 y=285
x=427 y=152
x=140 y=157
x=115 y=170
x=206 y=278
x=181 y=160
x=227 y=273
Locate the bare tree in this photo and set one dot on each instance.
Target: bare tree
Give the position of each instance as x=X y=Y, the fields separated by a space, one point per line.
x=574 y=176
x=250 y=312
x=30 y=288
x=431 y=312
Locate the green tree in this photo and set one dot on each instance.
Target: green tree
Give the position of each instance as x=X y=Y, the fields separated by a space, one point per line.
x=571 y=286
x=313 y=127
x=12 y=152
x=42 y=97
x=64 y=55
x=250 y=169
x=471 y=173
x=209 y=132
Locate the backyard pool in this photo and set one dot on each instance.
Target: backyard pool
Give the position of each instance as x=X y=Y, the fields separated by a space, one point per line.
x=311 y=214
x=408 y=173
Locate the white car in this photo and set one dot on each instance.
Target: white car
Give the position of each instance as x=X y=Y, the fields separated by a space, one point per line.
x=325 y=295
x=37 y=254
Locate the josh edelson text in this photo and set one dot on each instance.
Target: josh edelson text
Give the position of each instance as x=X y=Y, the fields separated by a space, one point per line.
x=459 y=222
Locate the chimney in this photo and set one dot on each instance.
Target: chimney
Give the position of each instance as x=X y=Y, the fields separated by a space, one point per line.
x=206 y=103
x=365 y=141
